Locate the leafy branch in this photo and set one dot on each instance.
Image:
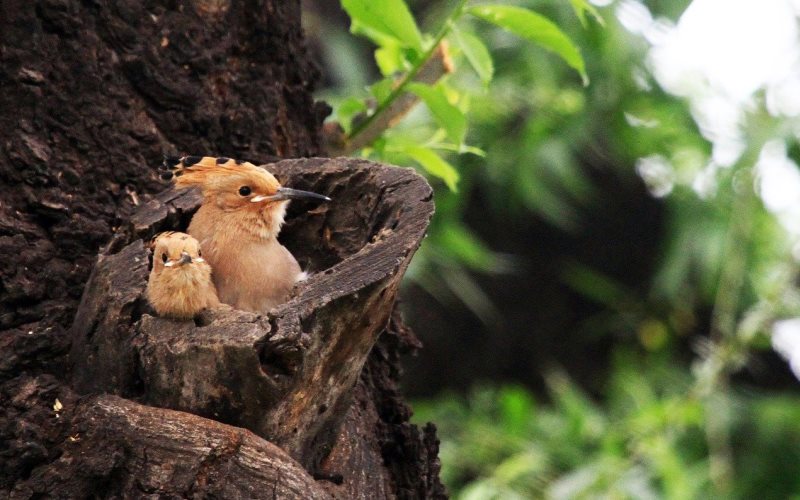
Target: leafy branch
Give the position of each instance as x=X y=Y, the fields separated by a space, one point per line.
x=415 y=66
x=400 y=88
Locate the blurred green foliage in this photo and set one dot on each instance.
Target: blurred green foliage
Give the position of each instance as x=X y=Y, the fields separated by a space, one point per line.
x=646 y=440
x=665 y=427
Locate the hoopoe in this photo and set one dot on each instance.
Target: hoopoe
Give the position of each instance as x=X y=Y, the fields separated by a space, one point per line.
x=180 y=284
x=237 y=226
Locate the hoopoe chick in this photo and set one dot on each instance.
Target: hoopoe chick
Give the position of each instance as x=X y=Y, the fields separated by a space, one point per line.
x=180 y=283
x=237 y=225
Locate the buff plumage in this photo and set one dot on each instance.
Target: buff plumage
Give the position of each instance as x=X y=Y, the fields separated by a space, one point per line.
x=180 y=284
x=237 y=226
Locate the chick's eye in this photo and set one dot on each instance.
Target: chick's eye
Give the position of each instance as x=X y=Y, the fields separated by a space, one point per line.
x=245 y=191
x=163 y=257
x=199 y=253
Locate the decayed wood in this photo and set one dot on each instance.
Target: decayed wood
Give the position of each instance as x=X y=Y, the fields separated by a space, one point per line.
x=343 y=309
x=288 y=375
x=35 y=437
x=106 y=446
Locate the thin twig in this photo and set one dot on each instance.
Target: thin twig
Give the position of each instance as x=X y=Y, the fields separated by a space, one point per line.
x=434 y=64
x=434 y=69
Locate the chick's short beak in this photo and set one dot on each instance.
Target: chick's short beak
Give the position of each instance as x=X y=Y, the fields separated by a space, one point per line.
x=290 y=194
x=185 y=259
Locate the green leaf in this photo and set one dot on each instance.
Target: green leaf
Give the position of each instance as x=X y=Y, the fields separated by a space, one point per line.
x=516 y=409
x=476 y=53
x=465 y=247
x=536 y=28
x=594 y=285
x=378 y=37
x=348 y=109
x=390 y=59
x=382 y=89
x=444 y=146
x=581 y=7
x=448 y=116
x=379 y=18
x=434 y=165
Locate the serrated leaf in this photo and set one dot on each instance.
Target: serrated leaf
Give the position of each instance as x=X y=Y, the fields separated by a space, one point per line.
x=476 y=53
x=536 y=28
x=581 y=7
x=448 y=116
x=379 y=18
x=434 y=165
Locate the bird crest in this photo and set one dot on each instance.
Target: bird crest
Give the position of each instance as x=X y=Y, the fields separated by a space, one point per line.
x=157 y=236
x=209 y=172
x=164 y=235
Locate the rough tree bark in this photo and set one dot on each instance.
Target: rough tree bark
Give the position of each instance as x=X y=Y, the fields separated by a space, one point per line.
x=94 y=92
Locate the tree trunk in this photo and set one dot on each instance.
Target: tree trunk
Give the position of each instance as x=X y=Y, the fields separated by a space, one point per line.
x=300 y=403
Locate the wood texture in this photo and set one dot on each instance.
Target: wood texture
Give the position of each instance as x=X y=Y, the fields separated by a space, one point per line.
x=110 y=447
x=288 y=375
x=94 y=92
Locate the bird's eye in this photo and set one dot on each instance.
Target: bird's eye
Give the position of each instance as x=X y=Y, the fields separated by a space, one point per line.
x=245 y=191
x=164 y=257
x=199 y=253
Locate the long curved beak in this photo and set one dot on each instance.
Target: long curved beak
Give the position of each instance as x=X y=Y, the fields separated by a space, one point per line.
x=290 y=194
